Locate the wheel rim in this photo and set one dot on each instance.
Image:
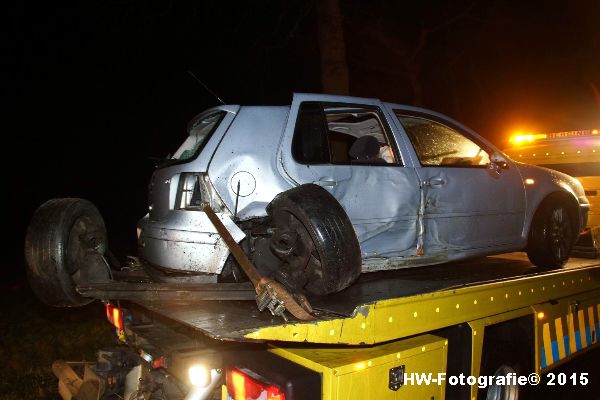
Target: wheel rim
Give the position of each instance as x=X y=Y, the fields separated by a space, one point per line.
x=293 y=245
x=83 y=237
x=560 y=233
x=503 y=392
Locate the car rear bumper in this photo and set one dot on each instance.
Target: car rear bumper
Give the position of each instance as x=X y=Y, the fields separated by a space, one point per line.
x=186 y=241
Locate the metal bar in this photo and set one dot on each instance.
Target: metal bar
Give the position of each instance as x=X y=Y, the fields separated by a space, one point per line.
x=235 y=249
x=271 y=294
x=168 y=291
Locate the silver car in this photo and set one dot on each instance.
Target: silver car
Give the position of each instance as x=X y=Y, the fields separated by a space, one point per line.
x=332 y=186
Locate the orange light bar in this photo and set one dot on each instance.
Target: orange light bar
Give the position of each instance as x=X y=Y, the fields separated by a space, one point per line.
x=520 y=138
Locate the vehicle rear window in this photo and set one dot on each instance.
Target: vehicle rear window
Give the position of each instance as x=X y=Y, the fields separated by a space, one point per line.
x=200 y=130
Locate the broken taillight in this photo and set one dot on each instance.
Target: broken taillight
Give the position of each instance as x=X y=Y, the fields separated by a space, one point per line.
x=240 y=386
x=190 y=191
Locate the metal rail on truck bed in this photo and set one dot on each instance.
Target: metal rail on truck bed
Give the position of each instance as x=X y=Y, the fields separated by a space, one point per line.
x=391 y=305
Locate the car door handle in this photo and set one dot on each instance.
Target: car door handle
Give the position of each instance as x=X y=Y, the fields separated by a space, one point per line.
x=326 y=182
x=434 y=182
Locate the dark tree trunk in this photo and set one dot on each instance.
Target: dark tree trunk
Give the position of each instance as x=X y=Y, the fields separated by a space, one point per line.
x=334 y=68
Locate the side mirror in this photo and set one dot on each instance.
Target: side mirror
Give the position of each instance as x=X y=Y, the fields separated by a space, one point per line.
x=499 y=160
x=497 y=163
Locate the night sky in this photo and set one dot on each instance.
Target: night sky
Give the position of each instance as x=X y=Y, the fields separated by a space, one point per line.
x=96 y=88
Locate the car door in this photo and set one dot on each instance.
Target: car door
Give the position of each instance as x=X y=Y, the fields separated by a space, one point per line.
x=470 y=202
x=333 y=144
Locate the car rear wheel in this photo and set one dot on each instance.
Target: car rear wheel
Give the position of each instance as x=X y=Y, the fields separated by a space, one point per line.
x=553 y=234
x=314 y=241
x=64 y=240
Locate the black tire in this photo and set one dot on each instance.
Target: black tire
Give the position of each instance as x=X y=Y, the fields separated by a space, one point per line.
x=506 y=350
x=315 y=241
x=61 y=234
x=501 y=392
x=553 y=233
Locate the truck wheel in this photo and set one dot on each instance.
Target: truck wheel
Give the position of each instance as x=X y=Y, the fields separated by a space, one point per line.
x=552 y=235
x=499 y=359
x=60 y=237
x=314 y=241
x=503 y=392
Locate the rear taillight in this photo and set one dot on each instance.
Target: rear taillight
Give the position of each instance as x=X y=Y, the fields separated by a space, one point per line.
x=190 y=191
x=240 y=386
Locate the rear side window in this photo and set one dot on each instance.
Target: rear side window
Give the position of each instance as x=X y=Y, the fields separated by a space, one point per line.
x=200 y=130
x=342 y=134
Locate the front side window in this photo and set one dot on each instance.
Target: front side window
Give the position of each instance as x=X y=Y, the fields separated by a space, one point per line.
x=342 y=134
x=200 y=131
x=438 y=145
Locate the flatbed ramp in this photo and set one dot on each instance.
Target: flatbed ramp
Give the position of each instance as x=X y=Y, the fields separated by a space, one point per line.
x=390 y=305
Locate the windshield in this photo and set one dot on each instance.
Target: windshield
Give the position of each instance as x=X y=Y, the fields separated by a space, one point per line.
x=200 y=131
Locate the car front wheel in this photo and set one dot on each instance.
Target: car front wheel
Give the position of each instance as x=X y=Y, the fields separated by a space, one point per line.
x=553 y=234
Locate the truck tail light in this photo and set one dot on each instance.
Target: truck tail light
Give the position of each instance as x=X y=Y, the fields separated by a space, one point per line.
x=240 y=386
x=114 y=316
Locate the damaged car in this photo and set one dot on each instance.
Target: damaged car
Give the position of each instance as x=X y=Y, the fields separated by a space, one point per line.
x=330 y=187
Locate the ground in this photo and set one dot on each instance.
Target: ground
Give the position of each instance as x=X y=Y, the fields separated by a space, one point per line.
x=33 y=335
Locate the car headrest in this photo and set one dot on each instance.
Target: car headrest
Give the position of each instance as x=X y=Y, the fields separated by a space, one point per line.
x=365 y=147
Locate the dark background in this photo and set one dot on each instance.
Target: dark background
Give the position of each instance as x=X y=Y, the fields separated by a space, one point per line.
x=95 y=88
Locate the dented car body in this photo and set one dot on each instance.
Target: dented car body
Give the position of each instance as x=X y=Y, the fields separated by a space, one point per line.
x=417 y=187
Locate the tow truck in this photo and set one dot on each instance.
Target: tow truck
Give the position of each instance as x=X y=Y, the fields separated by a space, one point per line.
x=373 y=329
x=386 y=337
